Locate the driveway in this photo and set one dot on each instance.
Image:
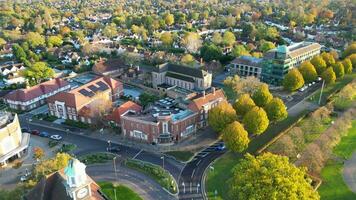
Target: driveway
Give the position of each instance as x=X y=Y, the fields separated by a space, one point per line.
x=349 y=172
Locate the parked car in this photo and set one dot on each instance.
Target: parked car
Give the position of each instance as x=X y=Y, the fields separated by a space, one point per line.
x=220 y=147
x=35 y=132
x=56 y=137
x=113 y=149
x=44 y=134
x=25 y=177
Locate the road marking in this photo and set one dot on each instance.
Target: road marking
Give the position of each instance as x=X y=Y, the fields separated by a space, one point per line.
x=137 y=154
x=192 y=174
x=198 y=162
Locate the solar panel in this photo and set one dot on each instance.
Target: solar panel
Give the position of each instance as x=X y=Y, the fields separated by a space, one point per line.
x=93 y=88
x=102 y=86
x=86 y=93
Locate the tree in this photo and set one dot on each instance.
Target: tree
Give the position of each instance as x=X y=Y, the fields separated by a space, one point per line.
x=2 y=42
x=38 y=153
x=146 y=99
x=243 y=104
x=270 y=176
x=220 y=116
x=235 y=137
x=18 y=52
x=191 y=41
x=166 y=38
x=308 y=71
x=65 y=30
x=347 y=65
x=187 y=59
x=37 y=72
x=339 y=69
x=256 y=121
x=329 y=76
x=110 y=31
x=293 y=80
x=229 y=38
x=240 y=50
x=217 y=39
x=352 y=57
x=328 y=58
x=210 y=52
x=169 y=19
x=49 y=166
x=351 y=49
x=54 y=41
x=266 y=46
x=276 y=110
x=262 y=95
x=35 y=39
x=319 y=64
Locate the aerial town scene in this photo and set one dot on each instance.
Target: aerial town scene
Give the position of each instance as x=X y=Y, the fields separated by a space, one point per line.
x=177 y=100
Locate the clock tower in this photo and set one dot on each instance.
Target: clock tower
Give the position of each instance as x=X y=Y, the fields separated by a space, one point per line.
x=77 y=182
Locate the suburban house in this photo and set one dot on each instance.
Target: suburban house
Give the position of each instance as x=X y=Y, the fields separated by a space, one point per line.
x=247 y=66
x=112 y=67
x=70 y=183
x=35 y=96
x=13 y=143
x=168 y=74
x=87 y=101
x=277 y=62
x=12 y=68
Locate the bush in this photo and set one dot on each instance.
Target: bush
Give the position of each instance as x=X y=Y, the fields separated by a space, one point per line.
x=77 y=124
x=96 y=158
x=67 y=148
x=52 y=143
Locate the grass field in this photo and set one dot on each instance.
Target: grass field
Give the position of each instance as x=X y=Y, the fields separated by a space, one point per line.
x=333 y=186
x=122 y=192
x=181 y=155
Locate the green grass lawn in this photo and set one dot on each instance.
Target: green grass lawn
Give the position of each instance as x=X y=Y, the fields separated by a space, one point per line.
x=333 y=186
x=97 y=158
x=181 y=155
x=122 y=192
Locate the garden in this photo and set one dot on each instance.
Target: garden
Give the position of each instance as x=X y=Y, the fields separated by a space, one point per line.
x=122 y=192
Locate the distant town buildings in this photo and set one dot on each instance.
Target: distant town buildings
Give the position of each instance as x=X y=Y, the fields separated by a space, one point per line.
x=35 y=96
x=87 y=101
x=166 y=75
x=13 y=143
x=70 y=183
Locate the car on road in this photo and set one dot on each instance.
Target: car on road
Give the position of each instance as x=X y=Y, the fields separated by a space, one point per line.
x=25 y=177
x=35 y=132
x=56 y=137
x=113 y=149
x=44 y=134
x=220 y=147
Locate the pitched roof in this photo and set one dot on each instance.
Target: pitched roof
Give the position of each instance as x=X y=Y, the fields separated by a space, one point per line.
x=108 y=66
x=180 y=69
x=179 y=76
x=122 y=109
x=37 y=90
x=197 y=103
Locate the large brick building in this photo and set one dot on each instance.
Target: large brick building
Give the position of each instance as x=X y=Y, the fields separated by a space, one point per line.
x=83 y=103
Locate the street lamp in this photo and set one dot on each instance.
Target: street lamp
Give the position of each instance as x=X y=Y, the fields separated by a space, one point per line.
x=109 y=142
x=114 y=162
x=162 y=162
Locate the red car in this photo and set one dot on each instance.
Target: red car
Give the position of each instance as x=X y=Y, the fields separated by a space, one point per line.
x=35 y=132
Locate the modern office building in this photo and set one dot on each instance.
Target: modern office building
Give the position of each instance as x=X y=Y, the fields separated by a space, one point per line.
x=247 y=66
x=277 y=62
x=13 y=143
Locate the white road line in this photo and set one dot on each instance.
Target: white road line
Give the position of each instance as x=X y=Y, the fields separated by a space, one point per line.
x=137 y=154
x=198 y=162
x=192 y=174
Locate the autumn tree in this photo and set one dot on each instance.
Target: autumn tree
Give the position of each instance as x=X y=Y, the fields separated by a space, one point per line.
x=255 y=178
x=276 y=110
x=35 y=39
x=256 y=121
x=308 y=71
x=187 y=59
x=329 y=76
x=2 y=42
x=293 y=80
x=54 y=41
x=169 y=19
x=110 y=31
x=38 y=153
x=328 y=58
x=339 y=70
x=217 y=39
x=240 y=50
x=220 y=116
x=319 y=64
x=262 y=96
x=351 y=49
x=347 y=65
x=229 y=38
x=352 y=57
x=235 y=137
x=266 y=46
x=65 y=30
x=243 y=104
x=166 y=38
x=18 y=52
x=38 y=72
x=191 y=41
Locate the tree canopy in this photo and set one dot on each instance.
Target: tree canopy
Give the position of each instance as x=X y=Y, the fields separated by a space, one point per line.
x=220 y=116
x=339 y=70
x=229 y=38
x=256 y=121
x=38 y=72
x=347 y=65
x=308 y=71
x=319 y=64
x=243 y=104
x=270 y=176
x=293 y=80
x=35 y=39
x=210 y=52
x=262 y=95
x=235 y=137
x=351 y=49
x=329 y=76
x=276 y=110
x=328 y=58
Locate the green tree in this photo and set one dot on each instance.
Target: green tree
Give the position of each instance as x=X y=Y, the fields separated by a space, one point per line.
x=270 y=176
x=110 y=31
x=339 y=70
x=256 y=121
x=169 y=19
x=38 y=72
x=35 y=39
x=266 y=46
x=166 y=38
x=229 y=38
x=210 y=52
x=319 y=64
x=49 y=166
x=243 y=104
x=347 y=65
x=308 y=71
x=235 y=137
x=187 y=59
x=262 y=96
x=220 y=116
x=328 y=58
x=54 y=41
x=240 y=50
x=146 y=99
x=18 y=52
x=276 y=110
x=217 y=39
x=352 y=57
x=293 y=80
x=351 y=49
x=329 y=76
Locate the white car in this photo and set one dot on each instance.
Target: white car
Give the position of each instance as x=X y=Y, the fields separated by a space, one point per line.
x=56 y=137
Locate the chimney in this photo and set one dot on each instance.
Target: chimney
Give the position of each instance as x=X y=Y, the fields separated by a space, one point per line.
x=213 y=88
x=203 y=93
